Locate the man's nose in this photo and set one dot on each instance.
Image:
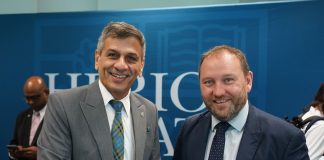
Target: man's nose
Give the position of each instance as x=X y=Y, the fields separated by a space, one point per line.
x=218 y=90
x=121 y=64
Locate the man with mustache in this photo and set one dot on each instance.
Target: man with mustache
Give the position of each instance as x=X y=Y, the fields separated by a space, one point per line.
x=232 y=128
x=104 y=120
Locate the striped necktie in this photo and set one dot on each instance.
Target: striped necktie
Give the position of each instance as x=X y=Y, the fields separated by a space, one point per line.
x=218 y=144
x=117 y=131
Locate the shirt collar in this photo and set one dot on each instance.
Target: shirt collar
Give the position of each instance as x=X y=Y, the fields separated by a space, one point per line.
x=41 y=112
x=312 y=112
x=106 y=96
x=238 y=121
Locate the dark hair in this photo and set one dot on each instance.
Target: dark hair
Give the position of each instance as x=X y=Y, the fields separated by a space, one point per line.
x=317 y=103
x=120 y=30
x=319 y=98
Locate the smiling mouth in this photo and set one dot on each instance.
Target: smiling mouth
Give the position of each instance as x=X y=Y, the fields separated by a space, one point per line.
x=221 y=101
x=119 y=76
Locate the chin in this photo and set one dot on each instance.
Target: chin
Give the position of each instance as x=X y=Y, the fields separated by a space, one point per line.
x=222 y=115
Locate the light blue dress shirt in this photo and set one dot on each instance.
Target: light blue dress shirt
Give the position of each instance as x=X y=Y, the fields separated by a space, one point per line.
x=233 y=135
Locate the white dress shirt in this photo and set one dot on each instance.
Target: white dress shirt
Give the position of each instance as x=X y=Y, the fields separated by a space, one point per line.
x=233 y=135
x=315 y=135
x=129 y=142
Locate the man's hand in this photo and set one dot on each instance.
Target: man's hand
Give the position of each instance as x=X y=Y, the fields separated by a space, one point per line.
x=29 y=152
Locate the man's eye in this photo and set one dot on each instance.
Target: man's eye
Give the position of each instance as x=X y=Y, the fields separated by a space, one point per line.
x=229 y=80
x=32 y=97
x=208 y=83
x=132 y=59
x=112 y=55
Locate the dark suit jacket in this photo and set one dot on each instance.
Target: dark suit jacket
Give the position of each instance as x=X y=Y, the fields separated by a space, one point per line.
x=22 y=129
x=265 y=137
x=76 y=126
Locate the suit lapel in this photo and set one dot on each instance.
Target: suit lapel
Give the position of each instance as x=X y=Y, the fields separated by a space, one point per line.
x=27 y=126
x=34 y=142
x=252 y=136
x=95 y=114
x=139 y=125
x=202 y=131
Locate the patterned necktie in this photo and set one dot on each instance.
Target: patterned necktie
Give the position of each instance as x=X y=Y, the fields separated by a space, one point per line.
x=117 y=131
x=217 y=147
x=35 y=123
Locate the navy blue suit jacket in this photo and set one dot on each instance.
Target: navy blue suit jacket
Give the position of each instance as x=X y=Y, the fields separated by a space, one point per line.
x=265 y=137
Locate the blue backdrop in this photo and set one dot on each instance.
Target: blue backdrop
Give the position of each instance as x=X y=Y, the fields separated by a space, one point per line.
x=284 y=43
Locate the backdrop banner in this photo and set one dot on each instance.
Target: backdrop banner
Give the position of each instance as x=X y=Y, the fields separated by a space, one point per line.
x=284 y=44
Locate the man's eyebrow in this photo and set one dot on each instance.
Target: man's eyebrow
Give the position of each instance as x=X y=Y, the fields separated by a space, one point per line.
x=112 y=50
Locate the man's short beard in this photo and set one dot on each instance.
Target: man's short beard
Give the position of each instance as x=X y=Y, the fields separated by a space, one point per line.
x=233 y=110
x=232 y=113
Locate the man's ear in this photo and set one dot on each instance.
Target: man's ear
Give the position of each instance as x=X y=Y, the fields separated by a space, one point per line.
x=141 y=71
x=97 y=58
x=249 y=81
x=46 y=90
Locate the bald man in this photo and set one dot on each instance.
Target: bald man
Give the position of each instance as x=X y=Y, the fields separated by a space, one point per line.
x=29 y=122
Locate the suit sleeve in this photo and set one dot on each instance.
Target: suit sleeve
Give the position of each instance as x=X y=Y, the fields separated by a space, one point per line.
x=54 y=141
x=297 y=149
x=14 y=139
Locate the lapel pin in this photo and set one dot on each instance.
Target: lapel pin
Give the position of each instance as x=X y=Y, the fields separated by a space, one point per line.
x=142 y=114
x=148 y=130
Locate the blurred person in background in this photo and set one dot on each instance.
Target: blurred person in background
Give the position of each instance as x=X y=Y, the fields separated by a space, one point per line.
x=29 y=122
x=314 y=126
